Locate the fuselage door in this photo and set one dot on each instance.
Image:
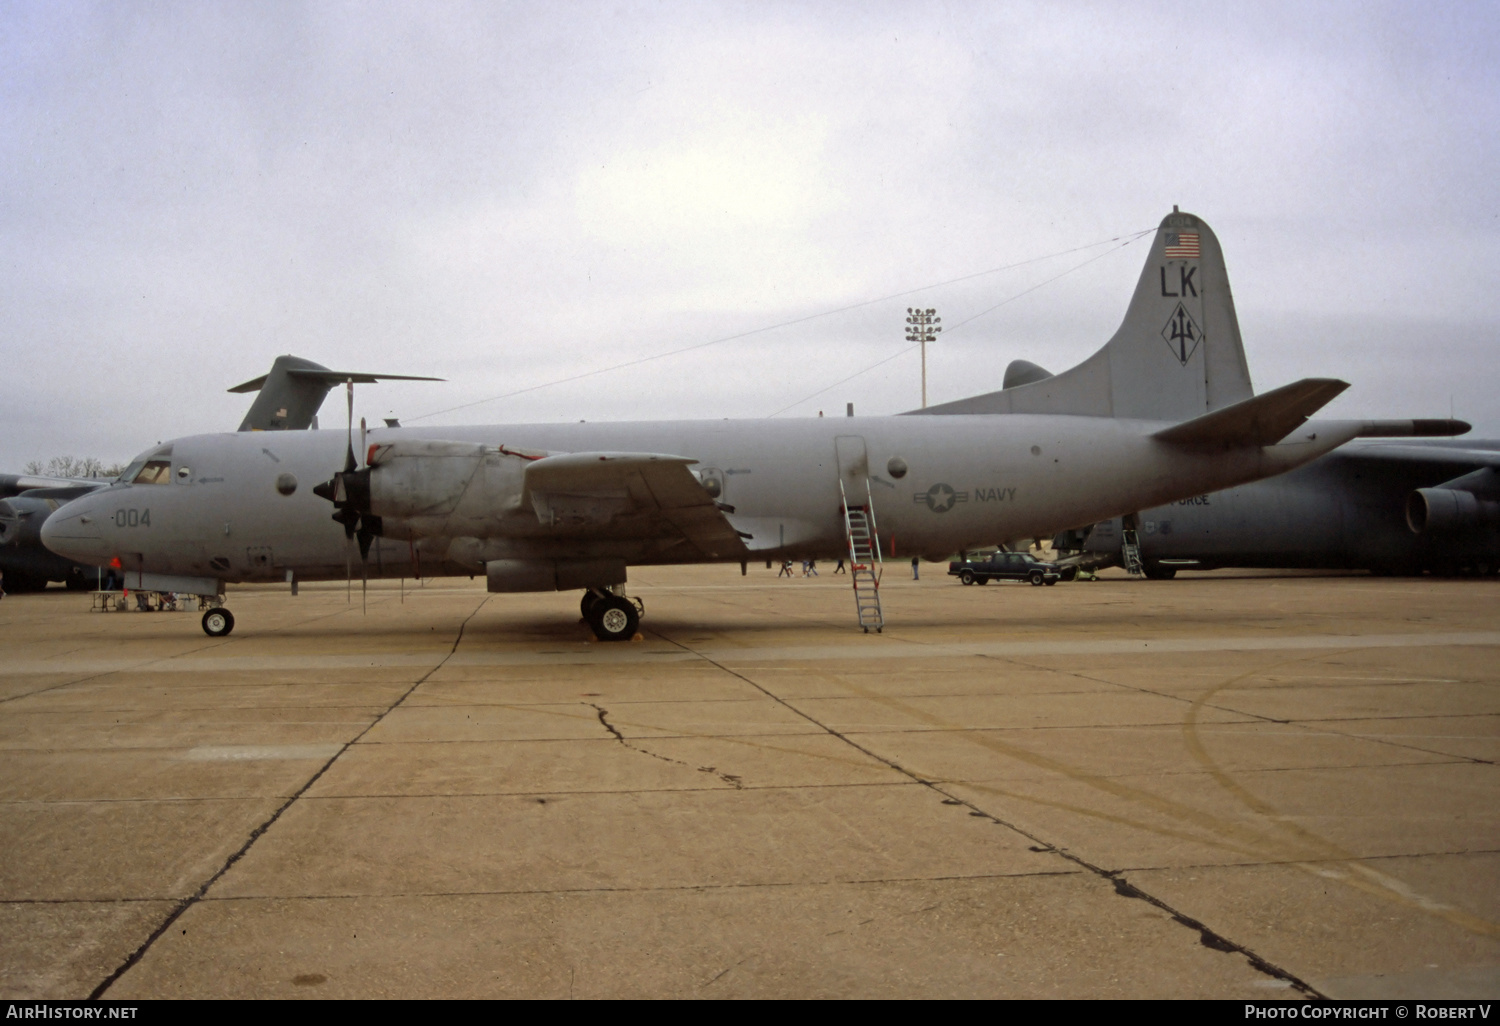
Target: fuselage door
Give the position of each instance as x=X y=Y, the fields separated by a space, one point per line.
x=854 y=466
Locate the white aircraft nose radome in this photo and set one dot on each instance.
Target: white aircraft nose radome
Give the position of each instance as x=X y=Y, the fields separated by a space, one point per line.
x=74 y=531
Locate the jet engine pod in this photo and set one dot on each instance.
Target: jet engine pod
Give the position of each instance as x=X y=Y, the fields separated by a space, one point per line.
x=21 y=520
x=509 y=575
x=1448 y=509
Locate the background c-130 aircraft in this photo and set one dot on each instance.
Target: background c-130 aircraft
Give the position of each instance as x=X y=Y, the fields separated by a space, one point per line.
x=1163 y=411
x=1392 y=507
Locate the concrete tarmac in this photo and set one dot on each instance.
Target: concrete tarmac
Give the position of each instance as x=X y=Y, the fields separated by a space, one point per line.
x=1231 y=785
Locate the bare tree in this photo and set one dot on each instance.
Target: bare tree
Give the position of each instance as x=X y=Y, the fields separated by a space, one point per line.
x=75 y=467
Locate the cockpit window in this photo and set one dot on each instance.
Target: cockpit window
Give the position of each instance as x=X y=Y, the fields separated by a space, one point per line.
x=162 y=455
x=154 y=472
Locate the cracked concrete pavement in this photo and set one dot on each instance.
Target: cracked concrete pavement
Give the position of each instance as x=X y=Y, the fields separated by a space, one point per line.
x=1228 y=785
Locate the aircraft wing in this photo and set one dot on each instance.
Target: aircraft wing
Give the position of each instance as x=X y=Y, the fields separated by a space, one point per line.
x=18 y=484
x=591 y=486
x=1481 y=454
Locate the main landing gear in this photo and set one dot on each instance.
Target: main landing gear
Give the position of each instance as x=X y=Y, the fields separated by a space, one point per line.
x=612 y=617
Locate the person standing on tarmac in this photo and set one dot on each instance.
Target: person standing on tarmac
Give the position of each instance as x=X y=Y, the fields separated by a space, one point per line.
x=914 y=569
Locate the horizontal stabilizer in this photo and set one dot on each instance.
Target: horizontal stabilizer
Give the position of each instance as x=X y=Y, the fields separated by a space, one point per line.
x=1260 y=420
x=339 y=377
x=1435 y=427
x=329 y=378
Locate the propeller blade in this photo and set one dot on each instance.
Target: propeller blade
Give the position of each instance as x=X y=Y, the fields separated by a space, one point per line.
x=349 y=463
x=369 y=528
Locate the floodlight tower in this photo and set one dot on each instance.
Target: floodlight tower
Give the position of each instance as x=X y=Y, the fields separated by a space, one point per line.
x=922 y=326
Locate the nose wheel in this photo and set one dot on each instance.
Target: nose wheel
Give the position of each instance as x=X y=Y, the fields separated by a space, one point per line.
x=218 y=622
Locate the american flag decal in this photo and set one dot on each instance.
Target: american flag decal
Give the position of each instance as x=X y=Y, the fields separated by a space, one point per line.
x=1182 y=245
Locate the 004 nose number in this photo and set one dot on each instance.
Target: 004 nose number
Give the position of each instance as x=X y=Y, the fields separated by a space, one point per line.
x=132 y=518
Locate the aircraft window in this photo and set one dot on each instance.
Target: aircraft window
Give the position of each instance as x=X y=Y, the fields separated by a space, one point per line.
x=154 y=472
x=130 y=472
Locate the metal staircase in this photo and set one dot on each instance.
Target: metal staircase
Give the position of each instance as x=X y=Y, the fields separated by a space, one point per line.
x=1130 y=552
x=864 y=559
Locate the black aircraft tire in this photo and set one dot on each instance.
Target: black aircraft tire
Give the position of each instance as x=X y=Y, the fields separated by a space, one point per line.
x=614 y=619
x=218 y=622
x=1036 y=578
x=967 y=577
x=586 y=605
x=1049 y=582
x=1070 y=573
x=981 y=580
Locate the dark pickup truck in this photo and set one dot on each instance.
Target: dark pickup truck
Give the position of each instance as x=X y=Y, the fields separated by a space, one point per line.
x=1006 y=566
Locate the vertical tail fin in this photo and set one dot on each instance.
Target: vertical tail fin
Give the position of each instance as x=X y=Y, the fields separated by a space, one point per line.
x=292 y=392
x=285 y=403
x=1177 y=354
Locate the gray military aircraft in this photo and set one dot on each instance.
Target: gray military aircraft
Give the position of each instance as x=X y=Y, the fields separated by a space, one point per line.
x=294 y=389
x=1163 y=411
x=1388 y=507
x=290 y=394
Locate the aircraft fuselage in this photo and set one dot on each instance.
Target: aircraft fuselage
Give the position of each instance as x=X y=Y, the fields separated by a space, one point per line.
x=938 y=485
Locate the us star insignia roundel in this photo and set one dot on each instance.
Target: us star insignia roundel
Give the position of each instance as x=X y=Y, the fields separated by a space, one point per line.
x=940 y=498
x=1182 y=334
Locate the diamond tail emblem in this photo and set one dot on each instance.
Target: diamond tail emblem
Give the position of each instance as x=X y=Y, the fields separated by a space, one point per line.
x=1182 y=334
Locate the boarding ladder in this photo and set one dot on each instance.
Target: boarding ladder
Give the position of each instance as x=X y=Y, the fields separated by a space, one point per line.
x=864 y=559
x=1130 y=552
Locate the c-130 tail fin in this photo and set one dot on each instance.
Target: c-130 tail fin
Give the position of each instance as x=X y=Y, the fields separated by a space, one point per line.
x=292 y=391
x=1176 y=356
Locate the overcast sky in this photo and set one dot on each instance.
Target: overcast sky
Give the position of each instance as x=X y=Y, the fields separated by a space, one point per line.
x=505 y=195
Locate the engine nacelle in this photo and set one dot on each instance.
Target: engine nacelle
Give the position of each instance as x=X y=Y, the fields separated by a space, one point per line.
x=436 y=487
x=509 y=575
x=1448 y=509
x=21 y=520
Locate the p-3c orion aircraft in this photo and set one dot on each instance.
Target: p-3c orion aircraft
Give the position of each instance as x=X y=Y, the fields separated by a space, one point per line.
x=1165 y=410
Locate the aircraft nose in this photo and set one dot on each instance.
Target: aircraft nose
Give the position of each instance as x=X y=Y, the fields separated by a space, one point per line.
x=73 y=531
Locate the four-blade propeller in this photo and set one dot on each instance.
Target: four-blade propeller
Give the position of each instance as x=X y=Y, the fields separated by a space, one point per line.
x=349 y=491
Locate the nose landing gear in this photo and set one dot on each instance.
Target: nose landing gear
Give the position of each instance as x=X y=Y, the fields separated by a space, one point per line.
x=218 y=622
